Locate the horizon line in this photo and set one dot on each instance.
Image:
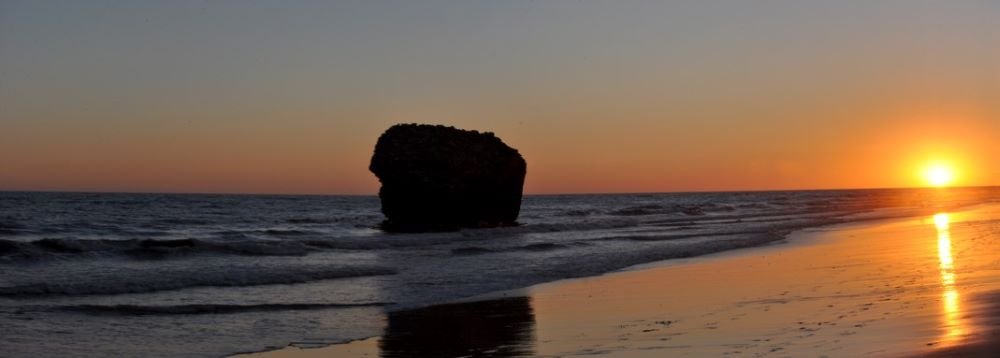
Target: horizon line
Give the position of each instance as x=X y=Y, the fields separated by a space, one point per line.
x=57 y=191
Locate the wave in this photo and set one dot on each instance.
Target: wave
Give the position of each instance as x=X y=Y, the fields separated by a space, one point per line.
x=242 y=234
x=466 y=235
x=143 y=281
x=43 y=249
x=544 y=246
x=182 y=221
x=300 y=242
x=278 y=232
x=689 y=210
x=471 y=251
x=578 y=212
x=10 y=227
x=639 y=210
x=293 y=243
x=194 y=309
x=313 y=220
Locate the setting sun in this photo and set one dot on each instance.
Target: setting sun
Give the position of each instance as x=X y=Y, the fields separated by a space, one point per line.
x=939 y=174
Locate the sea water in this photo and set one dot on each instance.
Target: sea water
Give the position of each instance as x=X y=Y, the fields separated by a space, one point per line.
x=84 y=274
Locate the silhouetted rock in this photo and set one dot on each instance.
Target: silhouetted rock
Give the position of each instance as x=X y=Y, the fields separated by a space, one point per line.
x=442 y=178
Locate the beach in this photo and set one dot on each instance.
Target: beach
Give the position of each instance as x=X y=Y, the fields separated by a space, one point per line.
x=916 y=286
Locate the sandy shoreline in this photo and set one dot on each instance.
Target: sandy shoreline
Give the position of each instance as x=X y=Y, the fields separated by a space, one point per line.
x=896 y=287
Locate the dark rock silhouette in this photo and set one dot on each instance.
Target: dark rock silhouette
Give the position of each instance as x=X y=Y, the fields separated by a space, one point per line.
x=437 y=178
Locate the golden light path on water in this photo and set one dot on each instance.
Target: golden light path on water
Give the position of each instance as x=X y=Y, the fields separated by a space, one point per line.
x=950 y=298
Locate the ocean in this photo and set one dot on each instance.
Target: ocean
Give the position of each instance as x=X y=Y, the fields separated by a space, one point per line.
x=94 y=274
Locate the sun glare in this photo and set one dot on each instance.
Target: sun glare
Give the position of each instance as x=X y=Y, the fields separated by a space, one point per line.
x=939 y=175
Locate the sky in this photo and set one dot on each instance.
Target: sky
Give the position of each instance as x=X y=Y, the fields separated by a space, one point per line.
x=598 y=96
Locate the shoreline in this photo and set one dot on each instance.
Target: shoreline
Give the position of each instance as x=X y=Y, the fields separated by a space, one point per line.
x=575 y=292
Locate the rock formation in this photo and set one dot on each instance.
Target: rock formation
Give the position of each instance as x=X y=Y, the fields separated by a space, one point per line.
x=438 y=178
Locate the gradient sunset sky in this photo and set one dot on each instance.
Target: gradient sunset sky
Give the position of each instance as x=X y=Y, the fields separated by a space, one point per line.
x=599 y=96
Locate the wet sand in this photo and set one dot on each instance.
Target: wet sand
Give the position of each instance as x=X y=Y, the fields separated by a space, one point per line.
x=926 y=286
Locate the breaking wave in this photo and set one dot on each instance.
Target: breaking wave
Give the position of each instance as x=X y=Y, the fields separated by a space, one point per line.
x=139 y=310
x=231 y=276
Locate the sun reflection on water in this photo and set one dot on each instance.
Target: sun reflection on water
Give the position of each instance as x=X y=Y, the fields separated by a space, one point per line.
x=950 y=297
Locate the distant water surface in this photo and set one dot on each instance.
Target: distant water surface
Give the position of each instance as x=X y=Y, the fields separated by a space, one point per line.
x=208 y=275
